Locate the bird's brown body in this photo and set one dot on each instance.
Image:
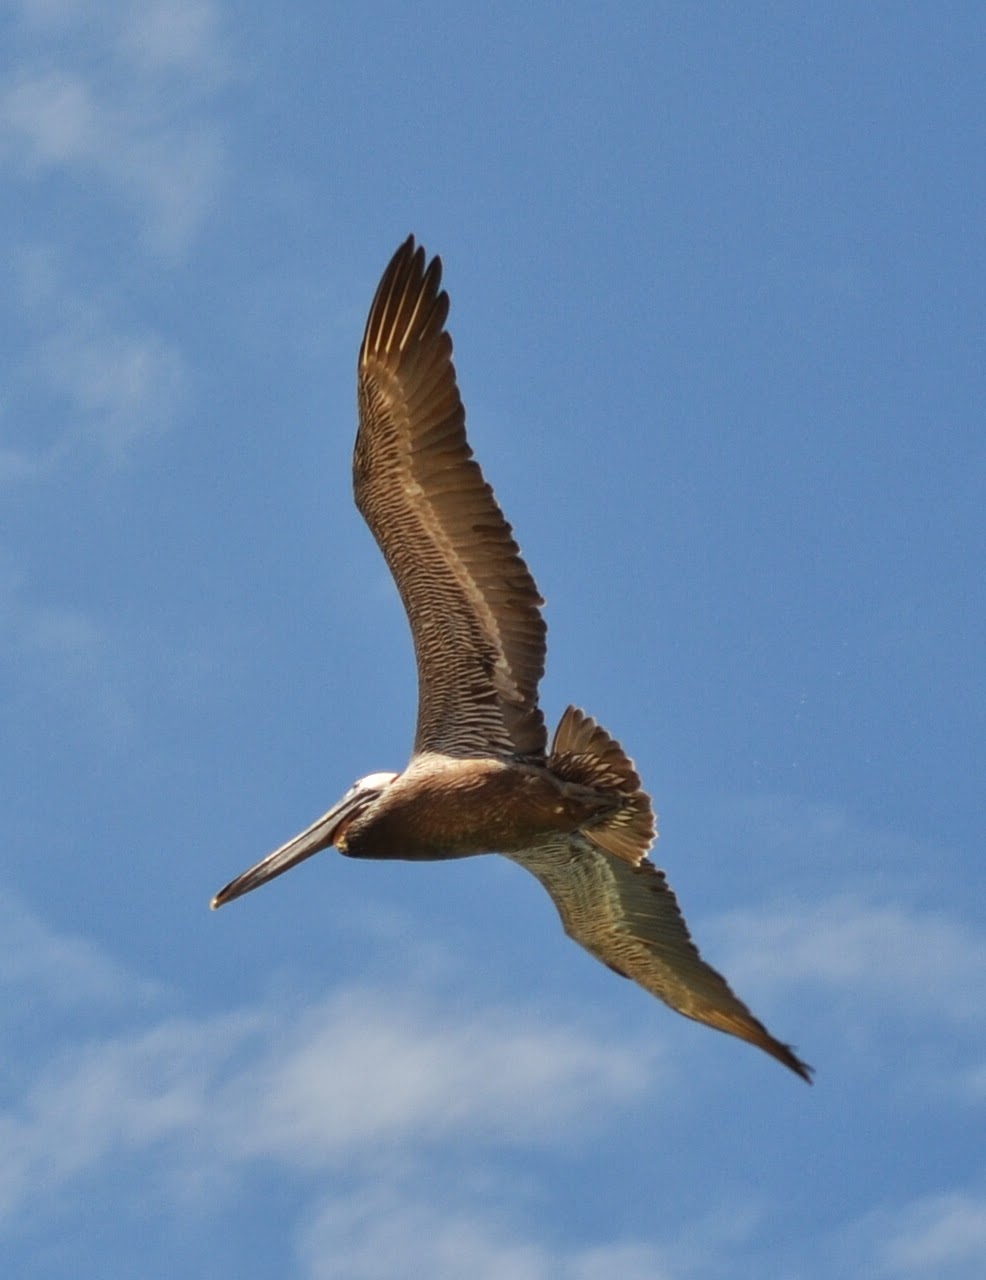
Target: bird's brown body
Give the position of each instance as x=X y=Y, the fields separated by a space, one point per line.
x=482 y=777
x=443 y=807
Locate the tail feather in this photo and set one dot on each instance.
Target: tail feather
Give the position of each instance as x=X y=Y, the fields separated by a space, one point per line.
x=582 y=751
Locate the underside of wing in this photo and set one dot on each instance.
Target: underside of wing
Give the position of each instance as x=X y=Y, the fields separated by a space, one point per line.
x=628 y=917
x=472 y=604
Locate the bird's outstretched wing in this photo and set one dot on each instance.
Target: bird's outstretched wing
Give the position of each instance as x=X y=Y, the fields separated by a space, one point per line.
x=628 y=917
x=472 y=604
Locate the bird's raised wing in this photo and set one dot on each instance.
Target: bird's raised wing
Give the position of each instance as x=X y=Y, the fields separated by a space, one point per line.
x=472 y=604
x=628 y=917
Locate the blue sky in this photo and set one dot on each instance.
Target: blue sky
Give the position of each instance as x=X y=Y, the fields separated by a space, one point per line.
x=717 y=276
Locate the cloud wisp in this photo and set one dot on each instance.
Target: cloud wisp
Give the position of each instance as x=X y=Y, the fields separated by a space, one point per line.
x=895 y=954
x=372 y=1235
x=329 y=1086
x=365 y=1096
x=117 y=99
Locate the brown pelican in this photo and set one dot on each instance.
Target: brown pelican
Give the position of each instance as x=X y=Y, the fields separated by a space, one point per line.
x=481 y=777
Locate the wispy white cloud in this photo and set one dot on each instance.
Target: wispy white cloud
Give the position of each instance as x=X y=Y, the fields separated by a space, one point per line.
x=820 y=844
x=897 y=955
x=117 y=95
x=366 y=1068
x=59 y=657
x=92 y=672
x=868 y=977
x=385 y=1232
x=940 y=1236
x=122 y=385
x=330 y=1086
x=338 y=1086
x=373 y=1093
x=178 y=34
x=56 y=117
x=115 y=101
x=101 y=1098
x=382 y=1234
x=57 y=969
x=368 y=1091
x=84 y=382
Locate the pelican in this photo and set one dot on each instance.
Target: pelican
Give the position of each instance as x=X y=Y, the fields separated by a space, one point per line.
x=481 y=777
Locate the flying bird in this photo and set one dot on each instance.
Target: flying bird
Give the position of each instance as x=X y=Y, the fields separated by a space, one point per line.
x=482 y=777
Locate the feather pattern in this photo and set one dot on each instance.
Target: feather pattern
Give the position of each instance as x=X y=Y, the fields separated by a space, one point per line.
x=473 y=606
x=628 y=917
x=582 y=751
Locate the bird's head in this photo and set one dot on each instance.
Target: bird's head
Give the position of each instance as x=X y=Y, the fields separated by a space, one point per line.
x=330 y=829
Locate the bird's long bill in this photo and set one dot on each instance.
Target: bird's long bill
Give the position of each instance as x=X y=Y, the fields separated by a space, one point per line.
x=318 y=836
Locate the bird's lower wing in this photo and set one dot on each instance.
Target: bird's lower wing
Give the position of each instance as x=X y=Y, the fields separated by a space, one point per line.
x=628 y=917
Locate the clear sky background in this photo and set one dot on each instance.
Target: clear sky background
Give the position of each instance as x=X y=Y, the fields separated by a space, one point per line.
x=717 y=279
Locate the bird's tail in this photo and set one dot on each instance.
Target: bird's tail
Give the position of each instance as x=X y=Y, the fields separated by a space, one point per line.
x=582 y=751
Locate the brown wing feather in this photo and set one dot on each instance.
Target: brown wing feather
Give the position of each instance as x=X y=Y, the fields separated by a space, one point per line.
x=472 y=604
x=628 y=917
x=583 y=751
